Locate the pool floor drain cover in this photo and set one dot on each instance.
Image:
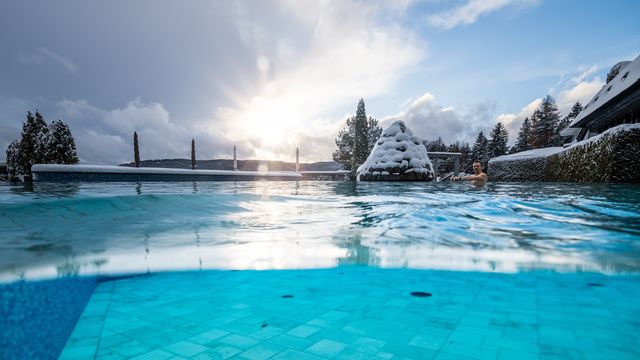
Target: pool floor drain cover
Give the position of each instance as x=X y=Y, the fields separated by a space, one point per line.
x=420 y=294
x=286 y=296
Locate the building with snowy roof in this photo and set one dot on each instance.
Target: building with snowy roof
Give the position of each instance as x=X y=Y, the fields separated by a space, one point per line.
x=397 y=155
x=618 y=102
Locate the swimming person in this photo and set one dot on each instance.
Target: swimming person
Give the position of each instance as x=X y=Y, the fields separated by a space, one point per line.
x=478 y=178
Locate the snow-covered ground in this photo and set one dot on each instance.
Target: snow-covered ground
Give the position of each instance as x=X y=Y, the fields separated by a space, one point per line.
x=397 y=149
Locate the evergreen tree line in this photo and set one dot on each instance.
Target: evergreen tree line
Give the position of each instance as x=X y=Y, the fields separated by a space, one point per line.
x=41 y=143
x=356 y=140
x=542 y=129
x=544 y=126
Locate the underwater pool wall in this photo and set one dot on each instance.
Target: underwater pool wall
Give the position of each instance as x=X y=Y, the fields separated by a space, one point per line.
x=36 y=318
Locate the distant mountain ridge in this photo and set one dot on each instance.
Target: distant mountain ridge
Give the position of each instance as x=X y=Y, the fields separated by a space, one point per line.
x=246 y=165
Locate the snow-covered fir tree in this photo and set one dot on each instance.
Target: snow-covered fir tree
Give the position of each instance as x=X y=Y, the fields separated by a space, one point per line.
x=480 y=150
x=498 y=142
x=575 y=110
x=373 y=133
x=34 y=142
x=544 y=123
x=41 y=144
x=524 y=137
x=61 y=145
x=361 y=138
x=345 y=142
x=14 y=160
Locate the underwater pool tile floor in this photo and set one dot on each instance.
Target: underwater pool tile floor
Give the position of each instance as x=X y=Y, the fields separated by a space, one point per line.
x=360 y=313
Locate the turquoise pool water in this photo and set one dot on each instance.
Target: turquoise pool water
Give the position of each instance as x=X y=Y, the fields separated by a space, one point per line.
x=513 y=271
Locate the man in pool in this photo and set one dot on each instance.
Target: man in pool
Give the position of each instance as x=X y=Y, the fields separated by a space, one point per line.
x=478 y=177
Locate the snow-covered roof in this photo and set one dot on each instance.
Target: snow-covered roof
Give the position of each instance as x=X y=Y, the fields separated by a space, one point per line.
x=111 y=169
x=544 y=152
x=628 y=74
x=397 y=148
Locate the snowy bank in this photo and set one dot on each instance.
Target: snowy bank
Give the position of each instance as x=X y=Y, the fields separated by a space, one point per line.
x=397 y=155
x=54 y=172
x=613 y=156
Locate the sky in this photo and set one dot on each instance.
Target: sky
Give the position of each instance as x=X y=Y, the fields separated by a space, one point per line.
x=272 y=75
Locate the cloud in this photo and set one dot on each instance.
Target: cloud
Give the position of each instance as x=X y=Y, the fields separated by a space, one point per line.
x=43 y=55
x=513 y=121
x=320 y=64
x=580 y=87
x=429 y=120
x=106 y=136
x=470 y=12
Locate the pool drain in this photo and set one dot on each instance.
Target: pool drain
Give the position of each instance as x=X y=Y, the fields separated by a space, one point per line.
x=420 y=294
x=286 y=296
x=595 y=285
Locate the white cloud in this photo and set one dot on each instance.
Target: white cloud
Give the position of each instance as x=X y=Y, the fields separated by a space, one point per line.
x=324 y=62
x=106 y=136
x=429 y=120
x=513 y=121
x=582 y=92
x=42 y=55
x=578 y=88
x=470 y=12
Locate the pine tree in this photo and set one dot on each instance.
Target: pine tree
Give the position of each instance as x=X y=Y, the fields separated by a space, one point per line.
x=33 y=144
x=361 y=138
x=499 y=139
x=61 y=147
x=564 y=123
x=467 y=157
x=544 y=123
x=373 y=133
x=193 y=154
x=136 y=149
x=14 y=160
x=345 y=142
x=524 y=135
x=480 y=150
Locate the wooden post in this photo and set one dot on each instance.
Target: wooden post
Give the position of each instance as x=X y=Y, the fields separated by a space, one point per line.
x=435 y=167
x=136 y=149
x=193 y=154
x=297 y=160
x=235 y=159
x=456 y=165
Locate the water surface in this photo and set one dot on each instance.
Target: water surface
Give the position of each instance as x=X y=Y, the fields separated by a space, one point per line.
x=51 y=229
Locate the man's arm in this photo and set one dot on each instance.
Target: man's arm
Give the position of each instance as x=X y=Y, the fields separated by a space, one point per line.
x=482 y=176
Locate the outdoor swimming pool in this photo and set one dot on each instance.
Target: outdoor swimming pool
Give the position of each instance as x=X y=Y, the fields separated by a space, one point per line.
x=510 y=271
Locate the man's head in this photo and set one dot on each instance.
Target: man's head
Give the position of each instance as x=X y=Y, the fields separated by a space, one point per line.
x=477 y=167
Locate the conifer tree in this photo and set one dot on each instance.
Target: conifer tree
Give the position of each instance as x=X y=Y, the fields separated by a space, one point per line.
x=499 y=139
x=345 y=142
x=373 y=133
x=361 y=138
x=564 y=123
x=480 y=150
x=136 y=149
x=14 y=160
x=61 y=145
x=544 y=123
x=466 y=151
x=193 y=154
x=524 y=135
x=33 y=143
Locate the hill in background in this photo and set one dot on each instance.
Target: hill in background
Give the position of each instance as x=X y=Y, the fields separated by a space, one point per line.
x=245 y=165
